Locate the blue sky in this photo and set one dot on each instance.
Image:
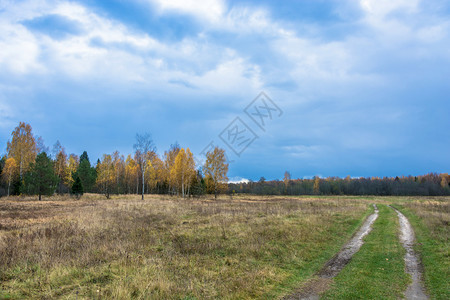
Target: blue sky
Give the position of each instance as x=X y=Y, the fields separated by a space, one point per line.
x=363 y=86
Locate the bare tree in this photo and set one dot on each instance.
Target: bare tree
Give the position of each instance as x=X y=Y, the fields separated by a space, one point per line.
x=144 y=147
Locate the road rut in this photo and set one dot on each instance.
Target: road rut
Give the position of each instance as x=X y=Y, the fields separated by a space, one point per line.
x=337 y=263
x=416 y=289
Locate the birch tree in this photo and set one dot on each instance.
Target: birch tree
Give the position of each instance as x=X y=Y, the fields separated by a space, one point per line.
x=61 y=169
x=10 y=172
x=183 y=171
x=215 y=170
x=144 y=146
x=169 y=162
x=131 y=174
x=106 y=175
x=22 y=147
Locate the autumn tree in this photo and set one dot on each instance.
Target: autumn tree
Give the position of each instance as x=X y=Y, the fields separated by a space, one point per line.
x=144 y=146
x=150 y=176
x=154 y=171
x=444 y=182
x=41 y=179
x=10 y=172
x=215 y=170
x=169 y=162
x=316 y=187
x=22 y=147
x=119 y=171
x=61 y=170
x=183 y=171
x=72 y=168
x=106 y=175
x=131 y=174
x=158 y=166
x=40 y=145
x=57 y=147
x=2 y=165
x=286 y=180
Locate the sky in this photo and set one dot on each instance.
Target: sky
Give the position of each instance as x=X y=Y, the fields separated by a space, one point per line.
x=313 y=87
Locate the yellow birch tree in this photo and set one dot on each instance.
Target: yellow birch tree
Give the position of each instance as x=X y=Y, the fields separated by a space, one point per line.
x=61 y=169
x=105 y=175
x=183 y=171
x=216 y=170
x=10 y=172
x=22 y=147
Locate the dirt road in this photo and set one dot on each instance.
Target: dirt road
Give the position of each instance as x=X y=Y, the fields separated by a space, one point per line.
x=337 y=263
x=416 y=289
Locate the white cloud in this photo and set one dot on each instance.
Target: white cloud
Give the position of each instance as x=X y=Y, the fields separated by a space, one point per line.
x=209 y=10
x=106 y=49
x=109 y=50
x=230 y=76
x=382 y=8
x=302 y=151
x=238 y=180
x=20 y=49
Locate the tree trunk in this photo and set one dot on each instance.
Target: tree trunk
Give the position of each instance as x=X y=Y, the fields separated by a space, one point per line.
x=40 y=198
x=9 y=185
x=143 y=183
x=137 y=185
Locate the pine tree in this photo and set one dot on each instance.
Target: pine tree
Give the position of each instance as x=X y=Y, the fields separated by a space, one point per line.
x=77 y=187
x=41 y=179
x=198 y=185
x=86 y=173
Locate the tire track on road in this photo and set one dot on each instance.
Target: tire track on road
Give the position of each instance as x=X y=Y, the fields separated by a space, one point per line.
x=416 y=289
x=337 y=263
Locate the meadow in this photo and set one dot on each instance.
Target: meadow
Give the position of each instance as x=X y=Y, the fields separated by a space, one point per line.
x=245 y=247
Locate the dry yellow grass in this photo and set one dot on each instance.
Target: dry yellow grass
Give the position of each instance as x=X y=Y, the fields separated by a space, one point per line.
x=168 y=248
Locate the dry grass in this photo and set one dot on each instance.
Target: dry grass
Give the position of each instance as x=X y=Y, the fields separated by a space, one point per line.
x=167 y=248
x=435 y=214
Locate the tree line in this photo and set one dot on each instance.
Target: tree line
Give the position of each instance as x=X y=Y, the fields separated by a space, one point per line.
x=431 y=184
x=28 y=168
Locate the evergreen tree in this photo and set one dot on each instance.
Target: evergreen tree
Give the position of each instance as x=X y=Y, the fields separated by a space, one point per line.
x=198 y=185
x=87 y=174
x=84 y=156
x=2 y=164
x=77 y=187
x=41 y=179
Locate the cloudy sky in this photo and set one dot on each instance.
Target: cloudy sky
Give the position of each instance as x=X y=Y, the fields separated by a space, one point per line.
x=362 y=87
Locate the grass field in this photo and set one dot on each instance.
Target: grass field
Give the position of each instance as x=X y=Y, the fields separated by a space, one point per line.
x=168 y=248
x=431 y=221
x=377 y=270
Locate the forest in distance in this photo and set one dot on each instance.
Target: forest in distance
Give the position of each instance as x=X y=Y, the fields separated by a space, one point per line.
x=29 y=168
